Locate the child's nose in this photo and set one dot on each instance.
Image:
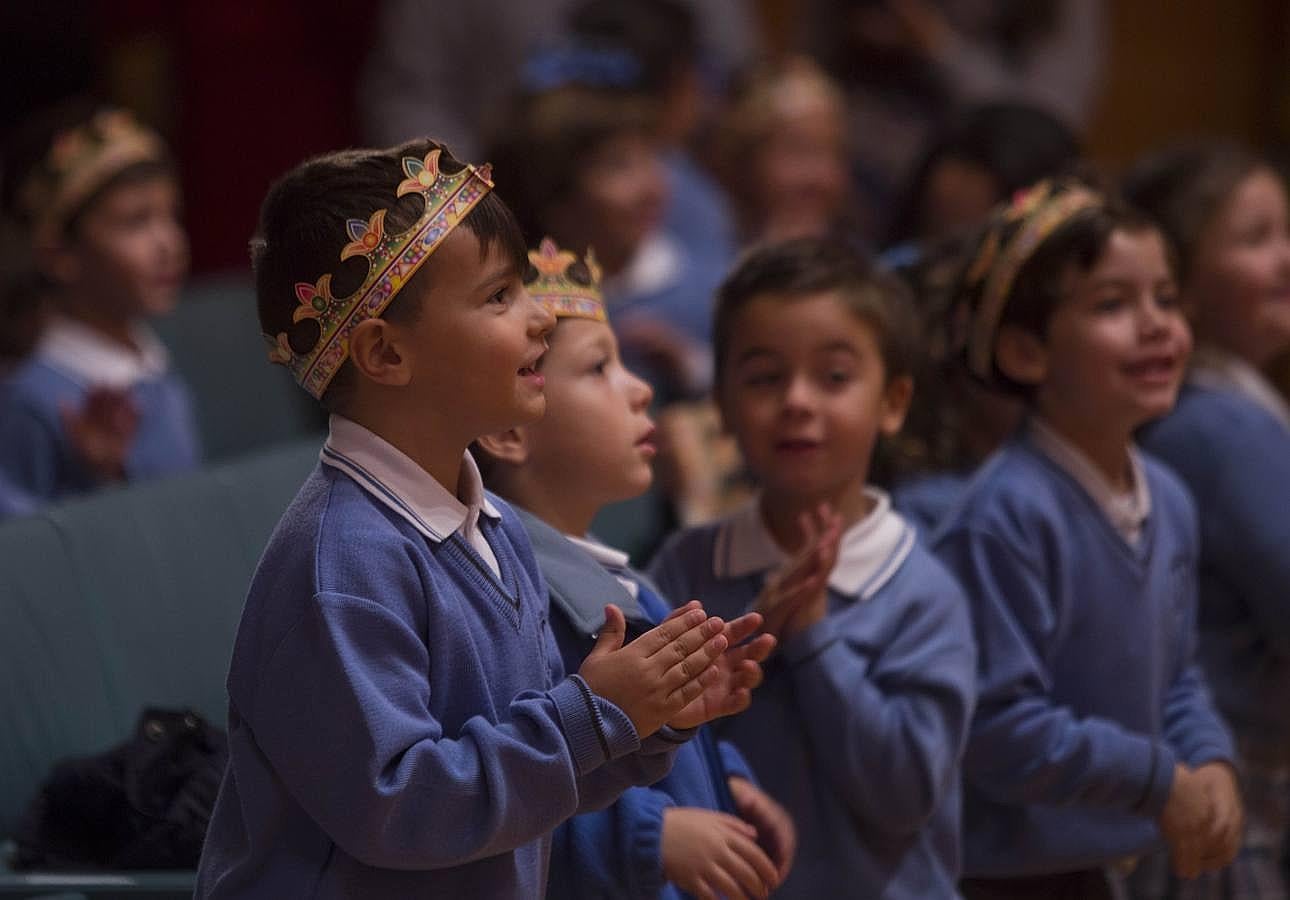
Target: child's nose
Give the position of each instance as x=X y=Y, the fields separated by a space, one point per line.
x=799 y=395
x=542 y=322
x=640 y=392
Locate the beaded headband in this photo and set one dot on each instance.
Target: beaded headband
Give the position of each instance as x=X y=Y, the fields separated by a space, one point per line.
x=392 y=260
x=561 y=294
x=1040 y=210
x=79 y=162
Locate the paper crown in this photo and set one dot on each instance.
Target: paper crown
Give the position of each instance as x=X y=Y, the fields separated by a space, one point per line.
x=1013 y=235
x=392 y=260
x=563 y=290
x=79 y=162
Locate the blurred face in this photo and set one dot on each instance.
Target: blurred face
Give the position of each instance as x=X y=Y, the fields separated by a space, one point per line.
x=1117 y=345
x=476 y=347
x=1240 y=278
x=801 y=168
x=805 y=393
x=129 y=253
x=596 y=437
x=958 y=196
x=620 y=199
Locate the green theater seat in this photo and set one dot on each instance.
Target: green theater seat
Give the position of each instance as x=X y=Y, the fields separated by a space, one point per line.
x=126 y=599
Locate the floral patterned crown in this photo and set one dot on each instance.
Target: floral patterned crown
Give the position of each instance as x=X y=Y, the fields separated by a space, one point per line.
x=392 y=260
x=1013 y=235
x=553 y=283
x=81 y=160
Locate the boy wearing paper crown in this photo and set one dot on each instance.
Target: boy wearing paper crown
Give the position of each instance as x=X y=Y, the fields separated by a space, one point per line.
x=95 y=201
x=400 y=724
x=1094 y=738
x=706 y=829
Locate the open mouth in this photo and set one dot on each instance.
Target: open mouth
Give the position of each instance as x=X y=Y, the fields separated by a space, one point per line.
x=1153 y=368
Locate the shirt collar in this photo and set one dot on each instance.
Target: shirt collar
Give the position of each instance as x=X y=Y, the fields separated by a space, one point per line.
x=1126 y=511
x=614 y=561
x=656 y=265
x=395 y=480
x=870 y=551
x=95 y=360
x=1216 y=368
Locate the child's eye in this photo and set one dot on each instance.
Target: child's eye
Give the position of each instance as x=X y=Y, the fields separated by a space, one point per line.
x=761 y=379
x=600 y=367
x=1109 y=304
x=1167 y=299
x=838 y=376
x=499 y=296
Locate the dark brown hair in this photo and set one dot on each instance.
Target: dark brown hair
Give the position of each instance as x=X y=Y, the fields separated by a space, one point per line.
x=549 y=138
x=302 y=229
x=805 y=266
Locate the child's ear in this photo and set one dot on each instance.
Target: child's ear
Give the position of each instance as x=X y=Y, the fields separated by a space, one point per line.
x=1021 y=355
x=510 y=446
x=896 y=397
x=377 y=350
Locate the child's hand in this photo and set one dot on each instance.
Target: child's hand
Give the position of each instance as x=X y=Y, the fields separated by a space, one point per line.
x=102 y=430
x=1185 y=821
x=797 y=596
x=711 y=854
x=738 y=673
x=775 y=831
x=1227 y=827
x=657 y=675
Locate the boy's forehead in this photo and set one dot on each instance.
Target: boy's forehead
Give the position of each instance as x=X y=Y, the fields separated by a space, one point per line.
x=460 y=264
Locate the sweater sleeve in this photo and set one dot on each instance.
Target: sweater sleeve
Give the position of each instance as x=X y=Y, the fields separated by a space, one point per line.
x=615 y=852
x=889 y=715
x=343 y=714
x=1024 y=748
x=33 y=451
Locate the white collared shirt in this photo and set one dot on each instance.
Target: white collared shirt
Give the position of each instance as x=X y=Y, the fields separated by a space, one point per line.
x=395 y=480
x=1213 y=367
x=1127 y=511
x=614 y=560
x=869 y=553
x=95 y=360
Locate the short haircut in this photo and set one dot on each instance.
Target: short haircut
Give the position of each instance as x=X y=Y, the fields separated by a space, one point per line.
x=540 y=153
x=1184 y=186
x=302 y=230
x=798 y=268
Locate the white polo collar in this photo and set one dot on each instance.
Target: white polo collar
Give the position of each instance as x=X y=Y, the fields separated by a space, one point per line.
x=1215 y=368
x=870 y=551
x=615 y=561
x=656 y=265
x=392 y=478
x=1126 y=511
x=95 y=360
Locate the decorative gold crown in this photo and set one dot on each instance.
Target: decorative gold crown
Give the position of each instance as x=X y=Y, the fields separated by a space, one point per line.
x=562 y=295
x=392 y=261
x=1040 y=210
x=79 y=162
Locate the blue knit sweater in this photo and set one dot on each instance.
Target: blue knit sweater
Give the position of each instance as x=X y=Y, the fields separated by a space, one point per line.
x=399 y=723
x=1087 y=691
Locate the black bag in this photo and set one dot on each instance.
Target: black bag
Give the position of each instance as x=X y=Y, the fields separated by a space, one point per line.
x=144 y=804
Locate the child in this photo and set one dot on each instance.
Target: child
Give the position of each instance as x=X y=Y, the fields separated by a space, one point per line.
x=1093 y=734
x=861 y=720
x=399 y=725
x=781 y=151
x=99 y=203
x=584 y=165
x=1229 y=440
x=699 y=828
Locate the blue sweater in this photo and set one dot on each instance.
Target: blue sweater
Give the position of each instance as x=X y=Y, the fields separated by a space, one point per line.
x=859 y=725
x=1235 y=459
x=399 y=725
x=1087 y=692
x=927 y=499
x=616 y=853
x=35 y=452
